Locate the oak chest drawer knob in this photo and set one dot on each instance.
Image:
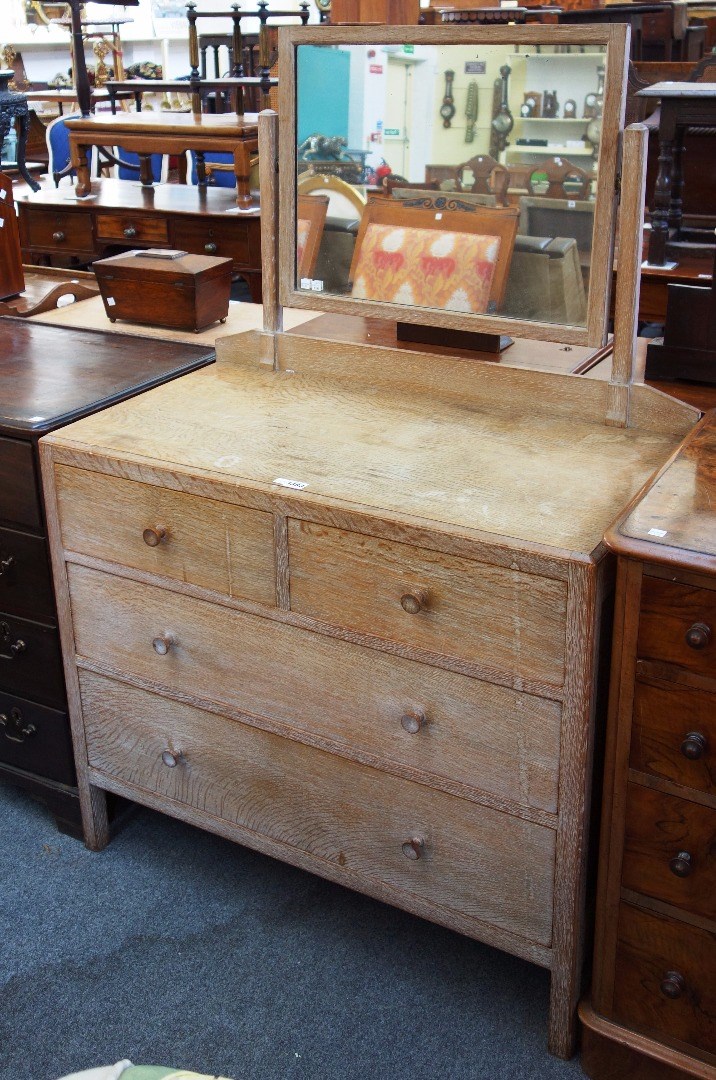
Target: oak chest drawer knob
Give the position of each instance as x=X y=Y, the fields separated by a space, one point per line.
x=210 y=248
x=5 y=564
x=153 y=537
x=172 y=758
x=681 y=865
x=694 y=746
x=412 y=722
x=698 y=636
x=412 y=602
x=414 y=848
x=58 y=236
x=162 y=645
x=130 y=232
x=673 y=985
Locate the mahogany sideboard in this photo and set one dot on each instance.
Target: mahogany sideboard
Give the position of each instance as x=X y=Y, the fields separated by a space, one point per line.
x=653 y=1010
x=122 y=215
x=48 y=377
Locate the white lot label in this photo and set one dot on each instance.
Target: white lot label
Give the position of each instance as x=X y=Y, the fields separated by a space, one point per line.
x=296 y=485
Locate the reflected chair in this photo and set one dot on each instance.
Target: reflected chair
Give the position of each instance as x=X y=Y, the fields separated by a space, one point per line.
x=345 y=200
x=219 y=169
x=559 y=178
x=310 y=220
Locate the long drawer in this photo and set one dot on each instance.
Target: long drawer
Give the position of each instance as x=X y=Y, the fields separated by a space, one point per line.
x=670 y=850
x=25 y=582
x=35 y=739
x=380 y=828
x=19 y=498
x=677 y=624
x=224 y=238
x=216 y=545
x=674 y=734
x=58 y=231
x=664 y=978
x=125 y=225
x=30 y=660
x=503 y=618
x=395 y=709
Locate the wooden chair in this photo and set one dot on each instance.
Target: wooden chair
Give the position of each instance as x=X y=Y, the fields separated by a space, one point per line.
x=310 y=220
x=557 y=173
x=454 y=260
x=489 y=177
x=345 y=200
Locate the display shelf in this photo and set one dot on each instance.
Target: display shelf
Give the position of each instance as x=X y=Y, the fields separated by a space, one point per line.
x=565 y=151
x=552 y=119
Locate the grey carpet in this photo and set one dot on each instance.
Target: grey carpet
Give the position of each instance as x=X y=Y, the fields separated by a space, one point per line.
x=176 y=947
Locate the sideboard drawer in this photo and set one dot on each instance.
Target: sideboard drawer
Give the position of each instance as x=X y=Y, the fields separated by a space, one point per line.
x=35 y=739
x=396 y=710
x=227 y=239
x=677 y=624
x=30 y=660
x=670 y=850
x=19 y=498
x=227 y=548
x=380 y=829
x=54 y=231
x=664 y=978
x=674 y=734
x=129 y=227
x=506 y=619
x=25 y=582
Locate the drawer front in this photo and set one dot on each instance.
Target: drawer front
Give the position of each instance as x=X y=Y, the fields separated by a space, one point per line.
x=664 y=978
x=482 y=863
x=35 y=739
x=19 y=498
x=674 y=734
x=394 y=709
x=127 y=226
x=30 y=661
x=677 y=624
x=60 y=231
x=670 y=850
x=227 y=239
x=508 y=620
x=25 y=582
x=225 y=548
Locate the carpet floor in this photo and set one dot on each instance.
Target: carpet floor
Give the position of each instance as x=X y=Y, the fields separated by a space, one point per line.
x=176 y=947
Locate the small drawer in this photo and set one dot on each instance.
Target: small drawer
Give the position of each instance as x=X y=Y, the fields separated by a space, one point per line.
x=216 y=545
x=25 y=582
x=377 y=830
x=143 y=228
x=670 y=850
x=674 y=734
x=19 y=498
x=677 y=625
x=36 y=739
x=50 y=231
x=490 y=615
x=30 y=660
x=229 y=239
x=664 y=978
x=401 y=712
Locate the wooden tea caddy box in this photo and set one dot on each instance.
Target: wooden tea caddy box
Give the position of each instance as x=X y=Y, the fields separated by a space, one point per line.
x=183 y=292
x=345 y=604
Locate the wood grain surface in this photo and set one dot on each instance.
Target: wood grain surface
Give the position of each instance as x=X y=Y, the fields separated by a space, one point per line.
x=664 y=714
x=669 y=609
x=489 y=866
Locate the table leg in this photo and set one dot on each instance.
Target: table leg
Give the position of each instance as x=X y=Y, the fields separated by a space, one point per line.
x=677 y=183
x=23 y=124
x=146 y=176
x=81 y=166
x=242 y=168
x=662 y=188
x=201 y=177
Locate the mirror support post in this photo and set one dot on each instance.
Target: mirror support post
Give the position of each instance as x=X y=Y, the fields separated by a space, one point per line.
x=268 y=172
x=626 y=308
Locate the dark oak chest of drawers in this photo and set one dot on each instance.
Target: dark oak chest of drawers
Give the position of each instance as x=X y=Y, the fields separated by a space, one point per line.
x=48 y=377
x=654 y=997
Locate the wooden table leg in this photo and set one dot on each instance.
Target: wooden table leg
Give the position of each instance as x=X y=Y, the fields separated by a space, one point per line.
x=80 y=164
x=662 y=187
x=677 y=183
x=146 y=175
x=242 y=168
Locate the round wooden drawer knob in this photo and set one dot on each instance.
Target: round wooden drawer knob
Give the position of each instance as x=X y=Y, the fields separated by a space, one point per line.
x=694 y=746
x=130 y=232
x=414 y=848
x=698 y=636
x=210 y=248
x=412 y=602
x=162 y=645
x=673 y=985
x=58 y=236
x=681 y=865
x=153 y=537
x=412 y=722
x=171 y=758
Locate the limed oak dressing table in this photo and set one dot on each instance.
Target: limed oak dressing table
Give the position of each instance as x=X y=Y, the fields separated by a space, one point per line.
x=345 y=603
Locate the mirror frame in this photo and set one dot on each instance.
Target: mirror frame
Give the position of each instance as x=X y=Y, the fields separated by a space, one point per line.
x=616 y=39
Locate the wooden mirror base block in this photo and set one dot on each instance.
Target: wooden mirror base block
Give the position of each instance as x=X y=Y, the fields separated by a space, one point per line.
x=490 y=344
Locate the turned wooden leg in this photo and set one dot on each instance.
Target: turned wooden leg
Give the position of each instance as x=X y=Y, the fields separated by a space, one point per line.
x=146 y=176
x=676 y=205
x=662 y=188
x=23 y=123
x=242 y=168
x=80 y=165
x=200 y=168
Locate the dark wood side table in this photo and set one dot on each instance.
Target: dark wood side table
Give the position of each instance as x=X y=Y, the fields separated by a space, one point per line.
x=653 y=1009
x=50 y=376
x=13 y=107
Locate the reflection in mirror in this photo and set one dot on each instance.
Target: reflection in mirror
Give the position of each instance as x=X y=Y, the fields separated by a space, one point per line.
x=484 y=207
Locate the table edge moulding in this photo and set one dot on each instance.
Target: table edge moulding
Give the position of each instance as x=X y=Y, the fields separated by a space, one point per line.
x=437 y=539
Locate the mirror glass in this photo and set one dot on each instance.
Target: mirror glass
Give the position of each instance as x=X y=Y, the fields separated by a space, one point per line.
x=451 y=177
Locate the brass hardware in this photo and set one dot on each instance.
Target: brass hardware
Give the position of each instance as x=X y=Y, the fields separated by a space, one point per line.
x=16 y=647
x=154 y=536
x=412 y=722
x=210 y=249
x=172 y=758
x=5 y=564
x=162 y=645
x=694 y=746
x=698 y=636
x=681 y=865
x=13 y=727
x=673 y=985
x=130 y=232
x=412 y=602
x=58 y=236
x=414 y=848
